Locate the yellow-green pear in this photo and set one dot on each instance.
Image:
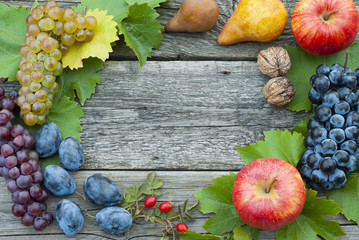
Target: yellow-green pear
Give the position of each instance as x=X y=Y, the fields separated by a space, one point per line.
x=255 y=20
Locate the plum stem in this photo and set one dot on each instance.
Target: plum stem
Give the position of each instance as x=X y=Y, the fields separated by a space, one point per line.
x=80 y=195
x=89 y=214
x=327 y=15
x=271 y=185
x=346 y=61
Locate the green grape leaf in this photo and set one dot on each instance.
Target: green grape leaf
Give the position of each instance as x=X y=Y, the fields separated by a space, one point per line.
x=151 y=3
x=218 y=199
x=304 y=66
x=302 y=126
x=240 y=234
x=82 y=80
x=66 y=115
x=12 y=37
x=348 y=197
x=277 y=144
x=117 y=8
x=311 y=223
x=142 y=31
x=190 y=235
x=53 y=160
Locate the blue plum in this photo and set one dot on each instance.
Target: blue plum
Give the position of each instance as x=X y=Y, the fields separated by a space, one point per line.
x=102 y=191
x=47 y=140
x=58 y=181
x=69 y=217
x=115 y=220
x=71 y=153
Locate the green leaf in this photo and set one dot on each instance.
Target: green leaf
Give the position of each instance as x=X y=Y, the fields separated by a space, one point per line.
x=348 y=197
x=302 y=126
x=82 y=80
x=150 y=177
x=66 y=115
x=53 y=160
x=151 y=3
x=218 y=199
x=12 y=37
x=304 y=66
x=142 y=31
x=157 y=183
x=311 y=223
x=240 y=234
x=277 y=144
x=190 y=235
x=117 y=8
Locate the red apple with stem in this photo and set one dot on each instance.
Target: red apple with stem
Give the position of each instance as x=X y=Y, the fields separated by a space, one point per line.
x=268 y=193
x=323 y=27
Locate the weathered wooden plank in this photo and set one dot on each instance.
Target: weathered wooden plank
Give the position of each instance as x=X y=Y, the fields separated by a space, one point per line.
x=177 y=115
x=200 y=46
x=178 y=186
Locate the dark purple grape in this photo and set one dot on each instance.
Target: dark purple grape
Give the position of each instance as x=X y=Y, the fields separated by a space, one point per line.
x=352 y=119
x=351 y=132
x=337 y=134
x=5 y=172
x=2 y=161
x=44 y=196
x=323 y=69
x=4 y=133
x=328 y=147
x=37 y=177
x=315 y=97
x=6 y=150
x=321 y=83
x=17 y=130
x=18 y=210
x=343 y=92
x=318 y=134
x=14 y=94
x=337 y=121
x=34 y=208
x=8 y=103
x=335 y=77
x=11 y=186
x=349 y=80
x=313 y=160
x=27 y=219
x=322 y=113
x=4 y=119
x=48 y=217
x=10 y=161
x=352 y=99
x=23 y=197
x=24 y=181
x=34 y=165
x=305 y=155
x=328 y=165
x=40 y=224
x=22 y=156
x=350 y=146
x=29 y=141
x=306 y=172
x=341 y=157
x=342 y=107
x=33 y=155
x=26 y=168
x=338 y=67
x=312 y=123
x=19 y=141
x=337 y=177
x=35 y=191
x=14 y=172
x=2 y=93
x=330 y=98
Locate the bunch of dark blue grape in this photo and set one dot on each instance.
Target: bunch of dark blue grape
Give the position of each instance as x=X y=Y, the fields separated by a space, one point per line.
x=20 y=167
x=332 y=143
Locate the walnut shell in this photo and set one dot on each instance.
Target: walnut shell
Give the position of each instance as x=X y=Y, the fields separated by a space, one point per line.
x=279 y=92
x=274 y=61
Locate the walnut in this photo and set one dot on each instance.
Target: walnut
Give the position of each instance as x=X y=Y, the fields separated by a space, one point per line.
x=278 y=92
x=274 y=61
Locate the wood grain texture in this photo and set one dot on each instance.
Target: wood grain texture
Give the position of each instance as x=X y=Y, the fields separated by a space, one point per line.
x=184 y=115
x=197 y=46
x=178 y=187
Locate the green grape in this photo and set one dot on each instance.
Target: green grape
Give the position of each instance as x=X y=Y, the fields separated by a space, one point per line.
x=91 y=22
x=69 y=14
x=30 y=98
x=26 y=68
x=41 y=95
x=34 y=86
x=63 y=49
x=37 y=76
x=55 y=12
x=70 y=26
x=41 y=119
x=30 y=20
x=25 y=80
x=37 y=13
x=42 y=56
x=50 y=4
x=23 y=50
x=49 y=45
x=48 y=104
x=31 y=57
x=22 y=60
x=35 y=46
x=46 y=24
x=57 y=54
x=20 y=100
x=50 y=64
x=67 y=39
x=47 y=72
x=89 y=35
x=18 y=75
x=80 y=35
x=58 y=71
x=81 y=22
x=38 y=108
x=44 y=89
x=30 y=119
x=59 y=28
x=28 y=39
x=39 y=66
x=25 y=107
x=42 y=36
x=51 y=97
x=54 y=88
x=33 y=30
x=25 y=90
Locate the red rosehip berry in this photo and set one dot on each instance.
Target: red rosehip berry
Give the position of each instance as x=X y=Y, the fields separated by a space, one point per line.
x=181 y=227
x=165 y=207
x=150 y=202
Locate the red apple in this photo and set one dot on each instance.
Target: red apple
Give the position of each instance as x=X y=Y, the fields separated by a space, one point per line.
x=268 y=193
x=323 y=27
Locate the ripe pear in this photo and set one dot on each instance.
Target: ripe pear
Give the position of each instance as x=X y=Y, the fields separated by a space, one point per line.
x=194 y=16
x=255 y=20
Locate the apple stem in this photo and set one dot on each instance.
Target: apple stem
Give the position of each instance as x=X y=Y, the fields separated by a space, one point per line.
x=346 y=61
x=271 y=185
x=327 y=15
x=229 y=231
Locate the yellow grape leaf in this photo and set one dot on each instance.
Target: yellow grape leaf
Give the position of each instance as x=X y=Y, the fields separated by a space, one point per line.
x=100 y=46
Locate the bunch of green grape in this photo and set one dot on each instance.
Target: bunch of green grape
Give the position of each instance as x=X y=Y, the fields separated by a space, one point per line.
x=51 y=31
